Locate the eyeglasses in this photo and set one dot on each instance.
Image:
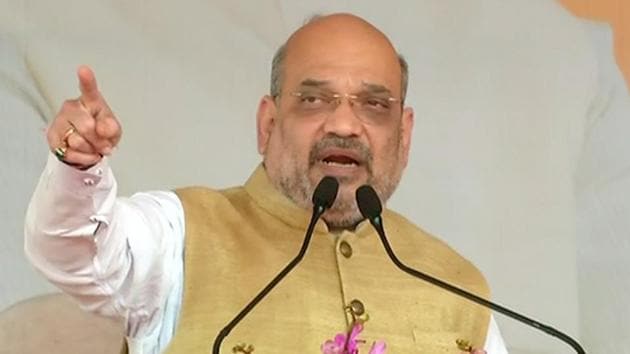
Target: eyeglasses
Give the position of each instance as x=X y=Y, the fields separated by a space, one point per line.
x=369 y=108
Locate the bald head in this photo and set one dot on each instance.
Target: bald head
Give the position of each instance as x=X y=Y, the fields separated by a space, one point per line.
x=338 y=37
x=339 y=28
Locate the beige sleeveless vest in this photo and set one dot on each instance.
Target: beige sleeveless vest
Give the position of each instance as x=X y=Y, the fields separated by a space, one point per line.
x=238 y=239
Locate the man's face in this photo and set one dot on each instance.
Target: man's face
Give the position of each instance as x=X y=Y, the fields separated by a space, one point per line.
x=339 y=114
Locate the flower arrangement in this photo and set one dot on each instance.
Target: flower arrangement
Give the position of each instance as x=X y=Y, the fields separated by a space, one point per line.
x=348 y=343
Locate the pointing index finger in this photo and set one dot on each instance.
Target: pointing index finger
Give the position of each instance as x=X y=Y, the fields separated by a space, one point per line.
x=90 y=96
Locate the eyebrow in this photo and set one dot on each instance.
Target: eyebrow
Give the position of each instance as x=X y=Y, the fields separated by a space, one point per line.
x=375 y=88
x=367 y=87
x=314 y=83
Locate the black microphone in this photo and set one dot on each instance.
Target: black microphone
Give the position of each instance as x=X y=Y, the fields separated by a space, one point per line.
x=370 y=207
x=323 y=198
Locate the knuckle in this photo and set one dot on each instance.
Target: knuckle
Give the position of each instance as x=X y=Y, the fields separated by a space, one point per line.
x=117 y=126
x=99 y=145
x=88 y=123
x=68 y=105
x=53 y=134
x=75 y=142
x=85 y=126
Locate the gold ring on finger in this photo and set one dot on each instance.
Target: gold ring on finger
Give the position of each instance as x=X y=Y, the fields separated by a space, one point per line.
x=60 y=152
x=67 y=134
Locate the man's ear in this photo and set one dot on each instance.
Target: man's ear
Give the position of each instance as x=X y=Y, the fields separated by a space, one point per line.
x=265 y=120
x=406 y=128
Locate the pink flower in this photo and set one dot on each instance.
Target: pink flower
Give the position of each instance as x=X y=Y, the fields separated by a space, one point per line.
x=344 y=345
x=335 y=346
x=352 y=346
x=378 y=347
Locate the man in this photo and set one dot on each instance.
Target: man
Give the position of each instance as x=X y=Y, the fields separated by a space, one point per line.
x=336 y=108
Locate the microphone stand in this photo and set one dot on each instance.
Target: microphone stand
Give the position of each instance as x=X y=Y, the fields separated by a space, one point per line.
x=371 y=210
x=321 y=203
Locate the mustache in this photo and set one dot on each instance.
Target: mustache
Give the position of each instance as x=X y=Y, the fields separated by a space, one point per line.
x=335 y=141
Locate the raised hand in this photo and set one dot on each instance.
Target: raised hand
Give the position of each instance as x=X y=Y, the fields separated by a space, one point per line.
x=85 y=129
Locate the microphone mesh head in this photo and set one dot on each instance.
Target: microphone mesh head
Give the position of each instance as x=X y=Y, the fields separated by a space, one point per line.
x=326 y=192
x=368 y=202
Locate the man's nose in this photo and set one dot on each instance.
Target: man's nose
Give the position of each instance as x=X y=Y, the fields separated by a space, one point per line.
x=342 y=120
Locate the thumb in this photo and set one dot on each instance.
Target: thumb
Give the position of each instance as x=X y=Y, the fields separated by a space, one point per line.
x=108 y=127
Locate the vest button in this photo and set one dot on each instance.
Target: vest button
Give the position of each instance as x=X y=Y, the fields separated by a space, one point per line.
x=345 y=249
x=357 y=308
x=243 y=348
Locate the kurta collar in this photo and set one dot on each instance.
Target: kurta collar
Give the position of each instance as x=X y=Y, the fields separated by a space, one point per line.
x=265 y=194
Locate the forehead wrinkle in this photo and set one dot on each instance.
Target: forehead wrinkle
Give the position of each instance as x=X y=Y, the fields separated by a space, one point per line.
x=349 y=82
x=366 y=87
x=327 y=83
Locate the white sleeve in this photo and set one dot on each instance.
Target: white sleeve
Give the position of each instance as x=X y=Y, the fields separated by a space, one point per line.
x=118 y=257
x=494 y=341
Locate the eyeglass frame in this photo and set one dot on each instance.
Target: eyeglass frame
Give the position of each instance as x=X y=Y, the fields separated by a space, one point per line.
x=337 y=97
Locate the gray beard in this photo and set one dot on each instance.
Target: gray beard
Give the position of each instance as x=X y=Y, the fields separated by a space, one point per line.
x=295 y=184
x=344 y=214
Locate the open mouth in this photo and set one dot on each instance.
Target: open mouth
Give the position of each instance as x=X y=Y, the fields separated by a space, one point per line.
x=340 y=160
